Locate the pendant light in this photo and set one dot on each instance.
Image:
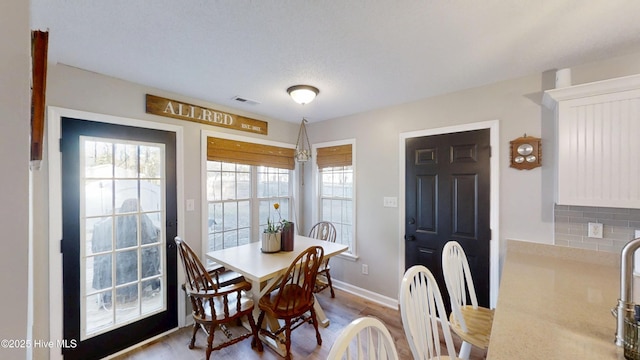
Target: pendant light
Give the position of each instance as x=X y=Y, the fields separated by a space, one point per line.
x=303 y=94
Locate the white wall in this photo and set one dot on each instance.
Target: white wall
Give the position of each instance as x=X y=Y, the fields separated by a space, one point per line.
x=526 y=196
x=14 y=184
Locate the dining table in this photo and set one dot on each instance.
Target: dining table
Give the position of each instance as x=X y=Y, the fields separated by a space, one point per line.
x=265 y=270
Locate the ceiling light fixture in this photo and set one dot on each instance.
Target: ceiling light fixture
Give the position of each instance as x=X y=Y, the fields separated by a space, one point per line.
x=303 y=94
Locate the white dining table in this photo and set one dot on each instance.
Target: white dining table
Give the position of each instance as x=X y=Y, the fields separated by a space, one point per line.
x=265 y=270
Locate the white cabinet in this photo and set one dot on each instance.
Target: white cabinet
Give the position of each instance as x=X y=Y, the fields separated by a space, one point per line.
x=598 y=143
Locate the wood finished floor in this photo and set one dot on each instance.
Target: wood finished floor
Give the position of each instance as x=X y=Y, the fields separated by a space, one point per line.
x=341 y=311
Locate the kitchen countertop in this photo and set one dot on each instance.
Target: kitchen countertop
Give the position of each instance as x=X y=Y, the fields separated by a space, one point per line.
x=555 y=303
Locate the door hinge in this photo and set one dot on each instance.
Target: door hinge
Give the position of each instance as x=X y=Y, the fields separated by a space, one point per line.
x=61 y=252
x=60 y=144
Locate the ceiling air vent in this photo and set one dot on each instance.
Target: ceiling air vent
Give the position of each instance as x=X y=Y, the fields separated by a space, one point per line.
x=245 y=100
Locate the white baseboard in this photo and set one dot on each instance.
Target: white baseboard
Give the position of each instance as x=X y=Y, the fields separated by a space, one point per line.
x=366 y=294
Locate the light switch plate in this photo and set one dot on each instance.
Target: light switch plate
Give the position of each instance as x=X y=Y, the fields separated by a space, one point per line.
x=595 y=230
x=390 y=201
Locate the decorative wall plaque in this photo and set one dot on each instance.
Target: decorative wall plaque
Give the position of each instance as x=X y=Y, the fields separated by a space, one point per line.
x=526 y=153
x=183 y=111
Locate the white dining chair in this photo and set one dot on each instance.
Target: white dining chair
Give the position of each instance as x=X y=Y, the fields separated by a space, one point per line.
x=424 y=315
x=364 y=338
x=471 y=322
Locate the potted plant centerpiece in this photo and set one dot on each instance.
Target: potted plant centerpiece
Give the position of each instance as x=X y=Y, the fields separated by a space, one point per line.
x=271 y=237
x=288 y=231
x=278 y=235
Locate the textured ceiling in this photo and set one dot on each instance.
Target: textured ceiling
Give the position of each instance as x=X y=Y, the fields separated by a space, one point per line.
x=362 y=55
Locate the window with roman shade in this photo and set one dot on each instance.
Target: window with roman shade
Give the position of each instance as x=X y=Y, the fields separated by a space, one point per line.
x=336 y=189
x=332 y=156
x=243 y=181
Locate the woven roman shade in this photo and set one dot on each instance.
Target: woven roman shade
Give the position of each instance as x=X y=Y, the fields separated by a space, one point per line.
x=249 y=153
x=331 y=156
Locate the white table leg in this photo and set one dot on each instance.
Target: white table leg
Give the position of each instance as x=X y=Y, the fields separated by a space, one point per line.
x=269 y=322
x=322 y=318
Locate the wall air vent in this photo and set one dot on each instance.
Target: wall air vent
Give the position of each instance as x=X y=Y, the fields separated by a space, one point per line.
x=245 y=100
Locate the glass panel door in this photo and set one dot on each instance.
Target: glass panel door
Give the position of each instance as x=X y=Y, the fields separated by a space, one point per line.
x=119 y=218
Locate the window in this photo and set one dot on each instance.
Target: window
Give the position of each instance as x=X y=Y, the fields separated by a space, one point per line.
x=229 y=204
x=243 y=181
x=336 y=190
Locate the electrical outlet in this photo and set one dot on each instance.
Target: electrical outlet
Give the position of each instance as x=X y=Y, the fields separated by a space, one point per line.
x=365 y=269
x=637 y=234
x=595 y=230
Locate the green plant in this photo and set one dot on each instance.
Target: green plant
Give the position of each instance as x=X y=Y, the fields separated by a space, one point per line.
x=274 y=227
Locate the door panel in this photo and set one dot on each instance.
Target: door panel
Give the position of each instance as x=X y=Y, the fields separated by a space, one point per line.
x=427 y=203
x=447 y=198
x=119 y=208
x=464 y=205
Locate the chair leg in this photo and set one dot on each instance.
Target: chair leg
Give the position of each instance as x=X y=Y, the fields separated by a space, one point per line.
x=255 y=340
x=333 y=295
x=212 y=329
x=287 y=338
x=254 y=329
x=465 y=351
x=192 y=344
x=315 y=325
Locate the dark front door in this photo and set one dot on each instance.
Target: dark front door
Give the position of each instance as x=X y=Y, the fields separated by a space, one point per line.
x=447 y=198
x=119 y=218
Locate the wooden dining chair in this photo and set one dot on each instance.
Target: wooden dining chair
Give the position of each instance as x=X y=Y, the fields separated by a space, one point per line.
x=293 y=299
x=324 y=230
x=214 y=305
x=471 y=322
x=364 y=338
x=424 y=315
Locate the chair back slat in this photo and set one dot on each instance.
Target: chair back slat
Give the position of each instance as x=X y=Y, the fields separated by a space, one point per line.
x=296 y=288
x=457 y=275
x=324 y=230
x=199 y=281
x=423 y=314
x=364 y=338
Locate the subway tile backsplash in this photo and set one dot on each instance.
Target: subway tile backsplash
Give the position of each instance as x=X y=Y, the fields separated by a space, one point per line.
x=619 y=226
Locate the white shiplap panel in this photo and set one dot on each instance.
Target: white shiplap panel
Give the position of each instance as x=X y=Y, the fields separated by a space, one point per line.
x=599 y=150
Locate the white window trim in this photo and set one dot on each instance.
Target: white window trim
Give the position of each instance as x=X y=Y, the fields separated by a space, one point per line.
x=204 y=211
x=315 y=209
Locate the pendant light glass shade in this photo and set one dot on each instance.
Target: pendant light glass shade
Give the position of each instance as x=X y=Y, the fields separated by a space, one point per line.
x=303 y=94
x=303 y=146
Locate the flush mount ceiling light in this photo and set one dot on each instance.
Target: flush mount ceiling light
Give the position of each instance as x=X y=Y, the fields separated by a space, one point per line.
x=303 y=94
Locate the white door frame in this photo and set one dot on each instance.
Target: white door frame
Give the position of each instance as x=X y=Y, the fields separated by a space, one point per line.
x=55 y=115
x=494 y=220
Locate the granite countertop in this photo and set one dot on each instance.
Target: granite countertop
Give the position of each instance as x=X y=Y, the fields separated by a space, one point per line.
x=555 y=303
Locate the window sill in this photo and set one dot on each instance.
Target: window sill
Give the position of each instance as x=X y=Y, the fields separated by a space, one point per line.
x=348 y=256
